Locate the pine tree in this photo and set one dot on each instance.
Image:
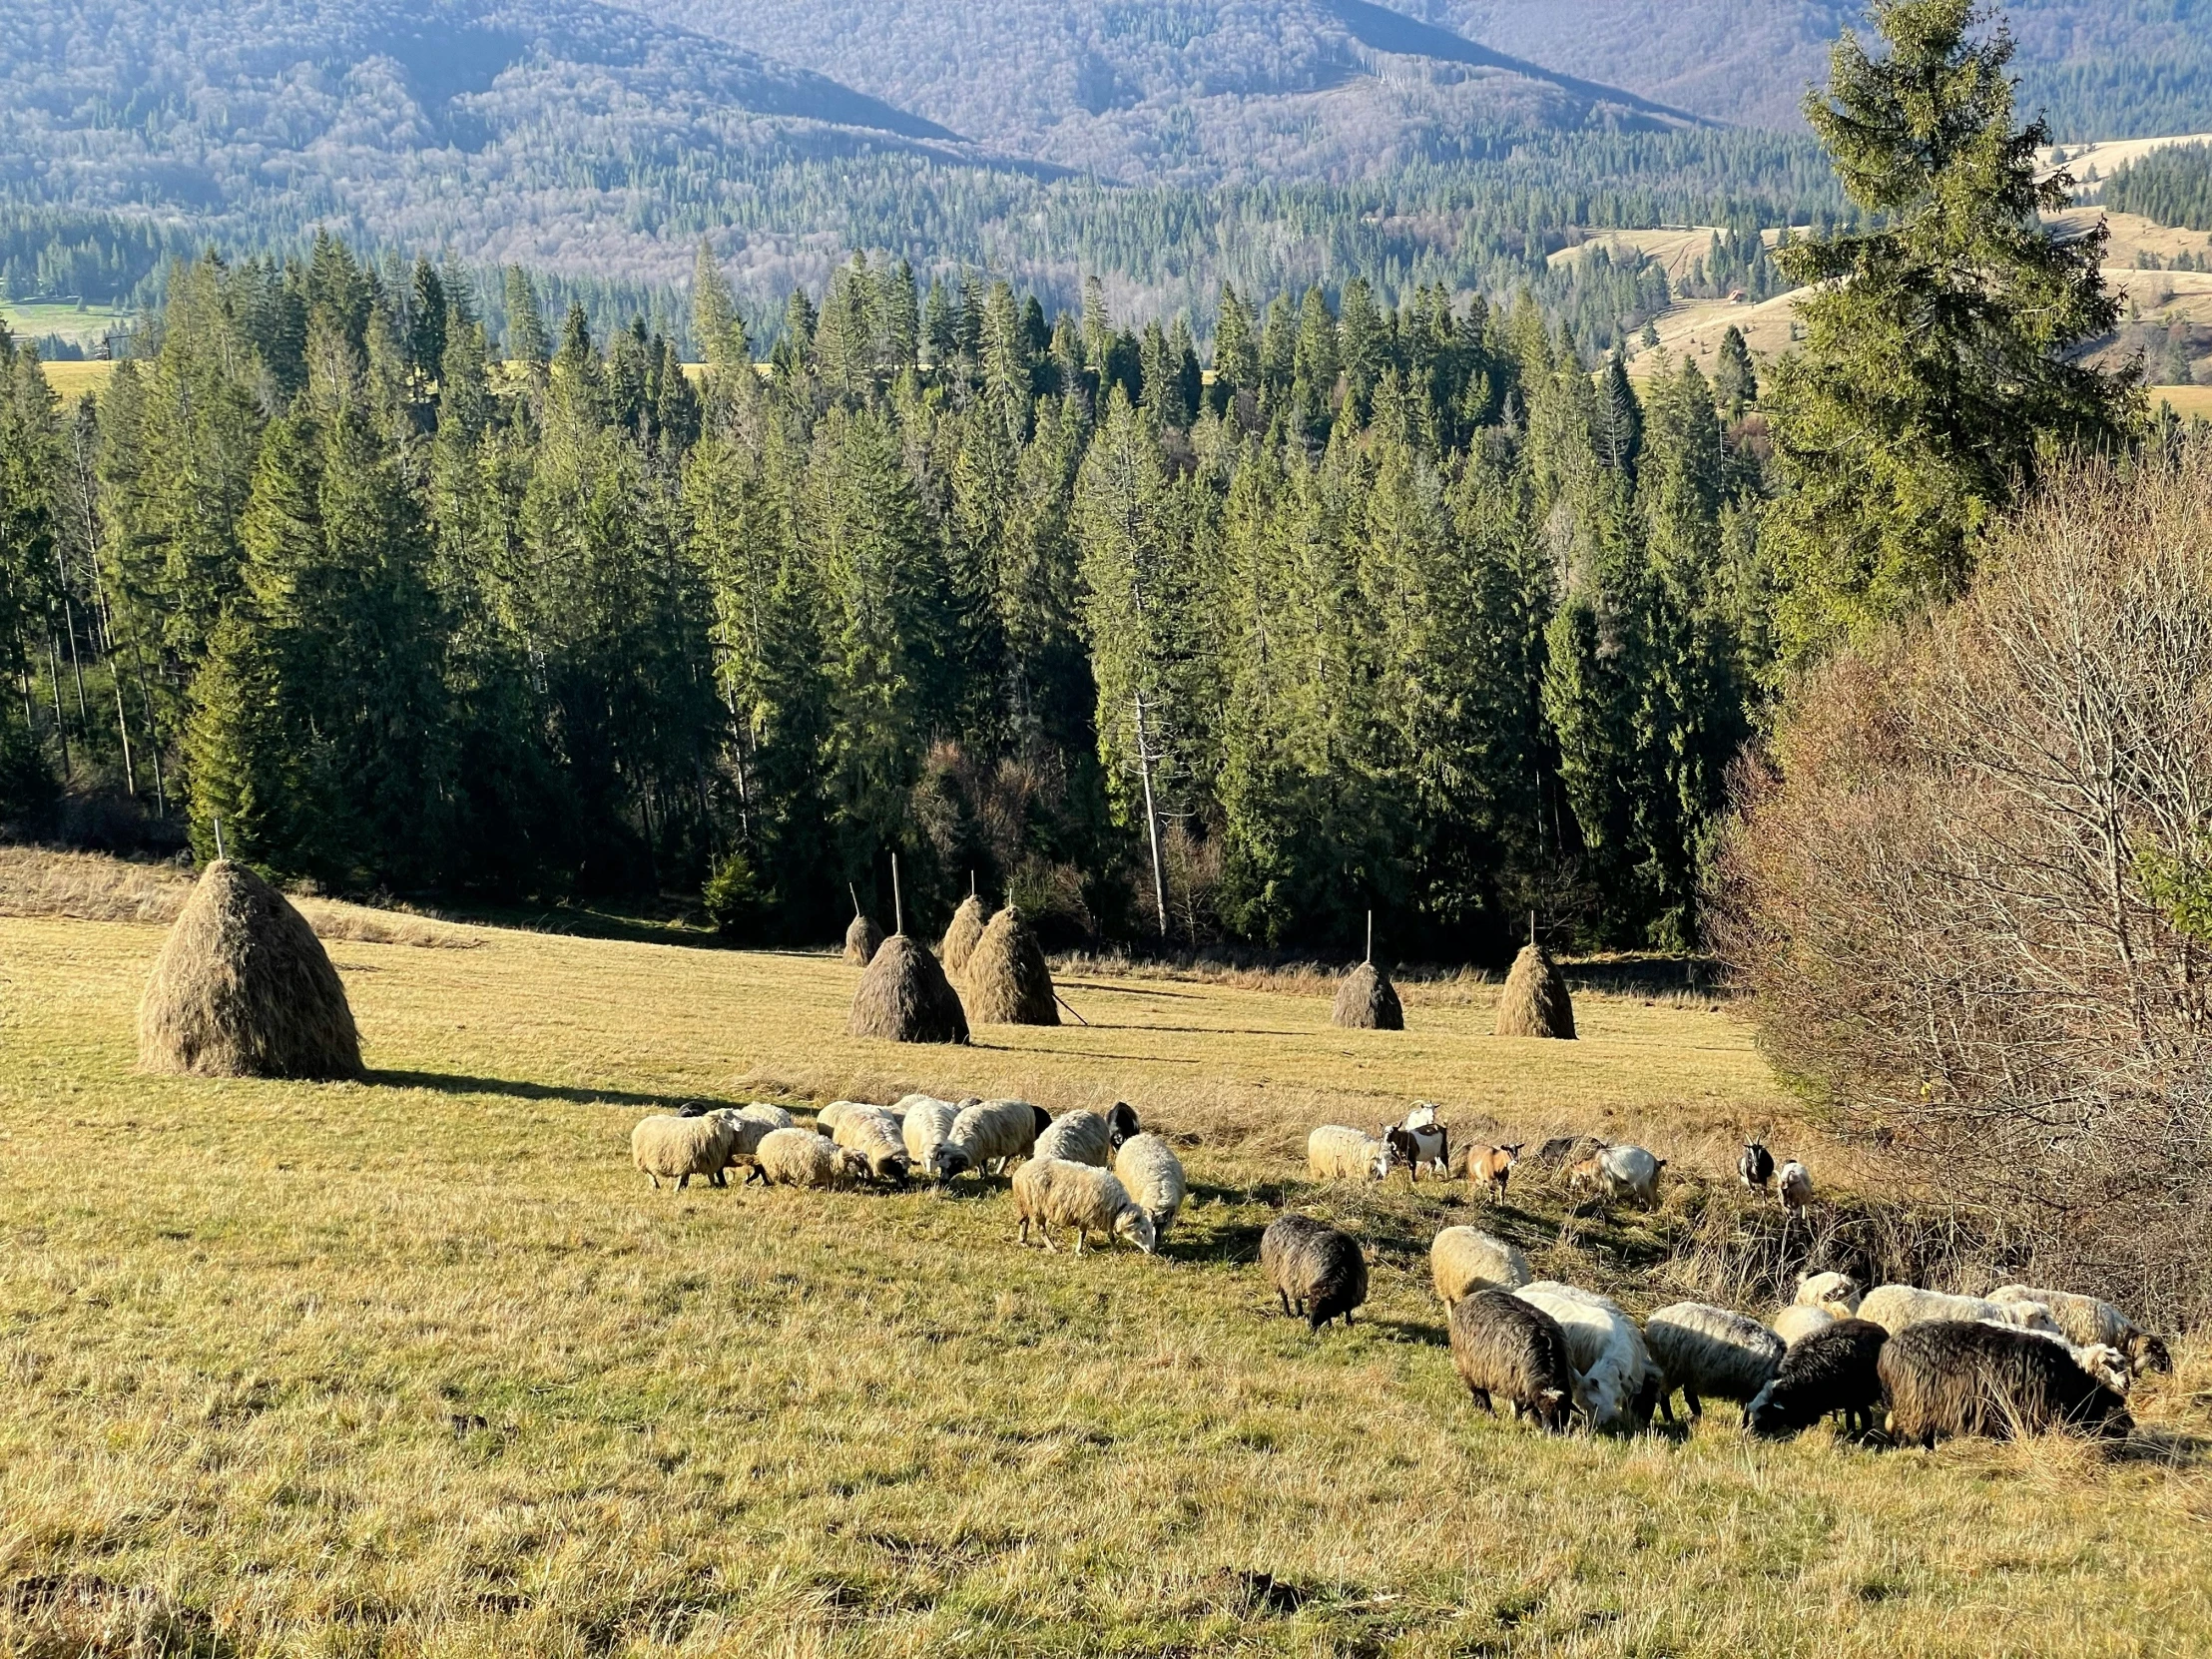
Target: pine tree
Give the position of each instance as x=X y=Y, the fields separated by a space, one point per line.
x=1735 y=382
x=527 y=344
x=715 y=321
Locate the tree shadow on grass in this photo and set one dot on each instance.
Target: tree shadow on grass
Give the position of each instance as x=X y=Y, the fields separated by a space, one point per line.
x=516 y=1089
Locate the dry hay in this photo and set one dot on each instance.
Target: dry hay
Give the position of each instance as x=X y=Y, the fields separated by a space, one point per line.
x=905 y=997
x=1008 y=982
x=1534 y=1002
x=863 y=940
x=961 y=935
x=1367 y=1001
x=244 y=988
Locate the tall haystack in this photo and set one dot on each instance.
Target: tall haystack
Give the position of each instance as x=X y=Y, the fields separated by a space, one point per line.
x=1367 y=1001
x=1534 y=1002
x=1008 y=981
x=863 y=939
x=905 y=997
x=244 y=988
x=960 y=937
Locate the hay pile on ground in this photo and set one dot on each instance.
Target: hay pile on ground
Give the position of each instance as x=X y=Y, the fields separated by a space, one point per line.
x=1367 y=1001
x=1008 y=981
x=863 y=940
x=244 y=988
x=959 y=937
x=1534 y=1002
x=905 y=997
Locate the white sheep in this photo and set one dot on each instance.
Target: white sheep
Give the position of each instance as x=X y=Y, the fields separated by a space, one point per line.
x=801 y=1158
x=1900 y=1307
x=875 y=1134
x=1078 y=1137
x=1619 y=1378
x=926 y=1130
x=1800 y=1320
x=1707 y=1350
x=751 y=1125
x=827 y=1118
x=993 y=1133
x=1152 y=1174
x=2087 y=1321
x=1463 y=1260
x=1837 y=1292
x=1052 y=1192
x=679 y=1148
x=1336 y=1153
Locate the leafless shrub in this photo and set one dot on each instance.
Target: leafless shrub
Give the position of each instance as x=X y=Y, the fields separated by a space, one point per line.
x=1937 y=888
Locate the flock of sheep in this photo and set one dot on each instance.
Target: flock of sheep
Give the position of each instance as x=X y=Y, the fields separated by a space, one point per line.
x=2022 y=1359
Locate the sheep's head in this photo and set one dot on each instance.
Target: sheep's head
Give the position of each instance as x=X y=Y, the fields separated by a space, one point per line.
x=894 y=1169
x=1837 y=1292
x=2149 y=1353
x=1134 y=1223
x=1601 y=1400
x=1388 y=1154
x=950 y=1161
x=848 y=1165
x=2032 y=1315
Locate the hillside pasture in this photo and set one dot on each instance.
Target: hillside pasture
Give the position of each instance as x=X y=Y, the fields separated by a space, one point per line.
x=423 y=1365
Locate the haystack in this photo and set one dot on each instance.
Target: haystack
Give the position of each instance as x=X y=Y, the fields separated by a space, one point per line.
x=1534 y=1002
x=863 y=939
x=1367 y=1001
x=244 y=988
x=905 y=997
x=1008 y=982
x=959 y=937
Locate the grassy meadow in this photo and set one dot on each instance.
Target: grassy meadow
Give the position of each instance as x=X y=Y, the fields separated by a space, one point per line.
x=425 y=1367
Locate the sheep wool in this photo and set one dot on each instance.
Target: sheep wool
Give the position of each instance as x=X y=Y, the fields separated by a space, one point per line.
x=925 y=1129
x=1502 y=1344
x=676 y=1147
x=1799 y=1321
x=1337 y=1153
x=801 y=1158
x=875 y=1134
x=1080 y=1137
x=1703 y=1350
x=1148 y=1168
x=995 y=1132
x=1464 y=1260
x=1898 y=1308
x=1946 y=1377
x=1317 y=1270
x=1052 y=1192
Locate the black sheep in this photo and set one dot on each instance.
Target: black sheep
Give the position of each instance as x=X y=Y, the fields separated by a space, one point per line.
x=1502 y=1345
x=1833 y=1369
x=1960 y=1376
x=1315 y=1269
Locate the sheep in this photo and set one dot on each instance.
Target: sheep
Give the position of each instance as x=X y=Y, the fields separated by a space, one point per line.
x=1799 y=1321
x=801 y=1158
x=1620 y=1382
x=876 y=1135
x=751 y=1124
x=827 y=1118
x=2087 y=1321
x=1336 y=1153
x=1502 y=1345
x=1755 y=1169
x=1794 y=1186
x=1703 y=1350
x=680 y=1148
x=926 y=1133
x=1148 y=1167
x=1317 y=1270
x=1896 y=1308
x=1831 y=1370
x=1122 y=1124
x=1490 y=1167
x=1946 y=1377
x=1463 y=1260
x=1053 y=1192
x=995 y=1132
x=1837 y=1292
x=1620 y=1172
x=1080 y=1137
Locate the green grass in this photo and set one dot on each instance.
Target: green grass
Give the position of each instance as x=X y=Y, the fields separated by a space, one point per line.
x=425 y=1367
x=35 y=317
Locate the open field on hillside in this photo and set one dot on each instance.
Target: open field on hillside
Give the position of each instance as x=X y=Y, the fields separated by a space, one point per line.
x=423 y=1365
x=2186 y=402
x=2107 y=155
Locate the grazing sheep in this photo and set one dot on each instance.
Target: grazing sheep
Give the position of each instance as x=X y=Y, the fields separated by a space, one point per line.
x=1798 y=1321
x=1504 y=1346
x=1896 y=1308
x=1832 y=1370
x=1121 y=1124
x=1490 y=1167
x=1317 y=1270
x=1336 y=1153
x=1837 y=1292
x=1153 y=1175
x=1619 y=1381
x=1080 y=1137
x=1962 y=1376
x=1755 y=1169
x=1052 y=1192
x=927 y=1132
x=1463 y=1260
x=876 y=1135
x=752 y=1124
x=993 y=1133
x=679 y=1148
x=1707 y=1350
x=1795 y=1185
x=827 y=1118
x=801 y=1158
x=2087 y=1321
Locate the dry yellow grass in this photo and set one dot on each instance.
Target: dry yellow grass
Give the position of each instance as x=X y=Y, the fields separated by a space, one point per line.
x=423 y=1365
x=72 y=380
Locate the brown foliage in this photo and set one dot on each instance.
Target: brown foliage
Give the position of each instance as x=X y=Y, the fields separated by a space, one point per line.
x=244 y=988
x=1935 y=890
